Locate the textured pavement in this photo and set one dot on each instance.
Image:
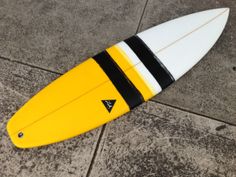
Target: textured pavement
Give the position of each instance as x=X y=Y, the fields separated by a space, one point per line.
x=187 y=130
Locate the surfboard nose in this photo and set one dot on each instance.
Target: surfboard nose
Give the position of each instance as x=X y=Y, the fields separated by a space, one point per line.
x=181 y=43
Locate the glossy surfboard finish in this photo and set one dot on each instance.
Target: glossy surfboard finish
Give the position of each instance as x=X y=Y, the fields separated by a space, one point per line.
x=116 y=80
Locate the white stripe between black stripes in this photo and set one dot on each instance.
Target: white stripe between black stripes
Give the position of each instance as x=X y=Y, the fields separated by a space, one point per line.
x=151 y=62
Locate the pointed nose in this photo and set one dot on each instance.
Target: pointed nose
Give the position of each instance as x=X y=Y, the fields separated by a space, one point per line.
x=182 y=42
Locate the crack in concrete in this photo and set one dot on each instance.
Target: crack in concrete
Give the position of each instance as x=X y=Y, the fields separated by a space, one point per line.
x=96 y=150
x=29 y=65
x=192 y=112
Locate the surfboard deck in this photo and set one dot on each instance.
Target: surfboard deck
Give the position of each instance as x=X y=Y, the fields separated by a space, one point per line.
x=116 y=80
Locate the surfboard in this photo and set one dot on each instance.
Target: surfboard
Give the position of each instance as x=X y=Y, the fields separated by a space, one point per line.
x=116 y=80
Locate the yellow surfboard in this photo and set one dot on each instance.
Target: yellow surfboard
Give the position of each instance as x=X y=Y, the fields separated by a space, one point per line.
x=112 y=83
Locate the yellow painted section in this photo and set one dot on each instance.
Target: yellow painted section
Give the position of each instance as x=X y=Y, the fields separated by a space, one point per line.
x=139 y=83
x=71 y=85
x=131 y=72
x=119 y=57
x=72 y=104
x=69 y=106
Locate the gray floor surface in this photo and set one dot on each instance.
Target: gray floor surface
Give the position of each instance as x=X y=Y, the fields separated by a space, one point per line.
x=187 y=130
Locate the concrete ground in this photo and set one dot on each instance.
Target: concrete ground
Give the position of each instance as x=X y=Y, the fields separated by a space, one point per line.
x=188 y=130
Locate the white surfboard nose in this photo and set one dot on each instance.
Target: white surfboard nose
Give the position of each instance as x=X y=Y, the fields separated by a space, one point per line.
x=181 y=43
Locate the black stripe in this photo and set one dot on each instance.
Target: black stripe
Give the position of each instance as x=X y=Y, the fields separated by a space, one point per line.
x=152 y=63
x=124 y=86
